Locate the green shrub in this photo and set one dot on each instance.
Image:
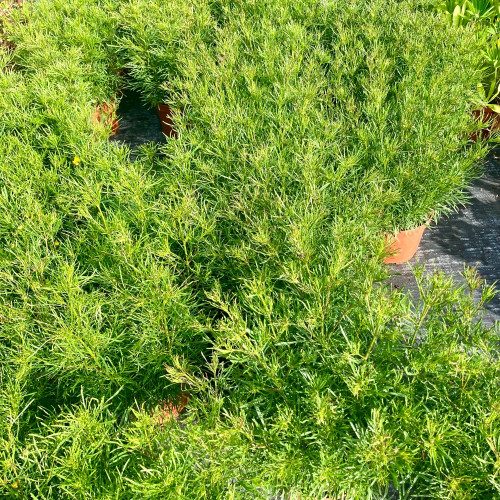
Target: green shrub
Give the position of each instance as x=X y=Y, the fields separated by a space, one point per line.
x=56 y=32
x=241 y=262
x=294 y=197
x=154 y=36
x=398 y=98
x=406 y=87
x=286 y=408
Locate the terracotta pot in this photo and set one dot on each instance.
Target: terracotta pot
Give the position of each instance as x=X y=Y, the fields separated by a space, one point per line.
x=485 y=114
x=404 y=245
x=169 y=410
x=167 y=123
x=105 y=114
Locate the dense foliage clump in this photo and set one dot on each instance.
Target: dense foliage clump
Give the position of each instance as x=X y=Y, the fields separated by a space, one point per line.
x=482 y=17
x=238 y=267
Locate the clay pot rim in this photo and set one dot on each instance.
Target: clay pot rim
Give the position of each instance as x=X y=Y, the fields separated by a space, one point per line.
x=162 y=106
x=397 y=246
x=485 y=114
x=170 y=409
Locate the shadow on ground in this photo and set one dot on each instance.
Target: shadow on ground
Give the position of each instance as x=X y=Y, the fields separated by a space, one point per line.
x=138 y=124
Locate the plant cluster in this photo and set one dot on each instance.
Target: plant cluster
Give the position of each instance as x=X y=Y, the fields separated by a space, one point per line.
x=6 y=9
x=462 y=12
x=155 y=38
x=484 y=17
x=238 y=268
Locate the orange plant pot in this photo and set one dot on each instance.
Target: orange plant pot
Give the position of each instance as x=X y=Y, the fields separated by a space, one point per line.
x=404 y=245
x=485 y=115
x=122 y=73
x=167 y=122
x=169 y=410
x=105 y=114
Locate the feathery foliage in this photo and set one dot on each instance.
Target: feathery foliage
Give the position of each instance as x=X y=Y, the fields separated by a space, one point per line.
x=241 y=262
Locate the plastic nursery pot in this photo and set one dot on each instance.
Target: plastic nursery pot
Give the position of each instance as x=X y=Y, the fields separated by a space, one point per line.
x=404 y=245
x=105 y=114
x=171 y=409
x=485 y=114
x=167 y=122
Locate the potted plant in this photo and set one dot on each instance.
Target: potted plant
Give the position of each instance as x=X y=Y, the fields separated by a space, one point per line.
x=154 y=52
x=406 y=104
x=79 y=31
x=235 y=265
x=6 y=8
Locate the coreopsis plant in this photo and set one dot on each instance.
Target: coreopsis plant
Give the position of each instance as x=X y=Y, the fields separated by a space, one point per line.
x=7 y=8
x=405 y=89
x=77 y=30
x=238 y=270
x=272 y=200
x=154 y=36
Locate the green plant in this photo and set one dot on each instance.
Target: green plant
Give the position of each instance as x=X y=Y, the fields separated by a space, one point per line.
x=455 y=12
x=462 y=12
x=79 y=30
x=485 y=15
x=490 y=88
x=405 y=101
x=6 y=13
x=6 y=6
x=241 y=264
x=154 y=36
